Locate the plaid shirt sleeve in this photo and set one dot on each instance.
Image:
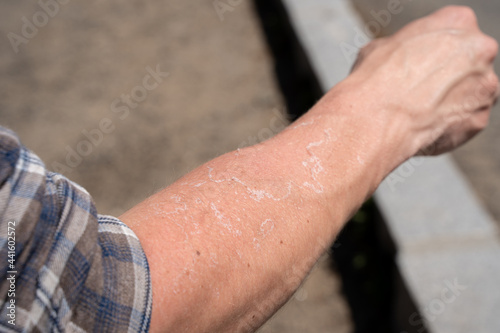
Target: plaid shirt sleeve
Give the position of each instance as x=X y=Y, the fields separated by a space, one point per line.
x=62 y=266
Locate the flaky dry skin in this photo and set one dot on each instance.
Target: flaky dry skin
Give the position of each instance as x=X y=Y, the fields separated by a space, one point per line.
x=230 y=242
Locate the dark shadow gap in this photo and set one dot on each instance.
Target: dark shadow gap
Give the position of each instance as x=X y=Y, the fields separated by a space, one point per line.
x=294 y=74
x=371 y=282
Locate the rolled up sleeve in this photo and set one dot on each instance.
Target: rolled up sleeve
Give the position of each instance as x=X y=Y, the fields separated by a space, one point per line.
x=63 y=267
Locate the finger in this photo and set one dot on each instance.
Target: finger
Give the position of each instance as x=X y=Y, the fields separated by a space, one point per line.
x=448 y=18
x=456 y=17
x=479 y=121
x=487 y=48
x=488 y=89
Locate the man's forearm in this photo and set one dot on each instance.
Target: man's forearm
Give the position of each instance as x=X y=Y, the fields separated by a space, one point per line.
x=239 y=234
x=229 y=243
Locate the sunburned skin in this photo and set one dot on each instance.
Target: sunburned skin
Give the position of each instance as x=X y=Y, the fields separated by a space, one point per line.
x=233 y=239
x=182 y=206
x=306 y=123
x=224 y=221
x=255 y=194
x=265 y=229
x=228 y=225
x=314 y=163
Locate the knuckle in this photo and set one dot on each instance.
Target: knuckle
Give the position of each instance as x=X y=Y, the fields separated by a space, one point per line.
x=490 y=86
x=494 y=83
x=481 y=121
x=490 y=46
x=462 y=14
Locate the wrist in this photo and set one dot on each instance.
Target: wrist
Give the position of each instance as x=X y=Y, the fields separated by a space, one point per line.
x=383 y=130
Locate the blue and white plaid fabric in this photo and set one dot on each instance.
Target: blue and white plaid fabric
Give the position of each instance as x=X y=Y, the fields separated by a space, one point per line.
x=62 y=266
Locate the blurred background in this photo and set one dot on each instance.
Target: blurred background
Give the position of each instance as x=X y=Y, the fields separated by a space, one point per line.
x=124 y=98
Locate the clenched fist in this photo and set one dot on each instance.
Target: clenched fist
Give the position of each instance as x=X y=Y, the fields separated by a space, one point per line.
x=435 y=76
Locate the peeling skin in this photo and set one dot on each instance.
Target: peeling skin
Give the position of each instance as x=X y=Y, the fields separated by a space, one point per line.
x=266 y=227
x=224 y=221
x=255 y=194
x=300 y=157
x=213 y=259
x=188 y=271
x=307 y=123
x=177 y=210
x=177 y=282
x=229 y=223
x=217 y=293
x=314 y=163
x=265 y=230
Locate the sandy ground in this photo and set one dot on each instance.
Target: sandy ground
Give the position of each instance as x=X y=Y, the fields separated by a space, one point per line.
x=67 y=77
